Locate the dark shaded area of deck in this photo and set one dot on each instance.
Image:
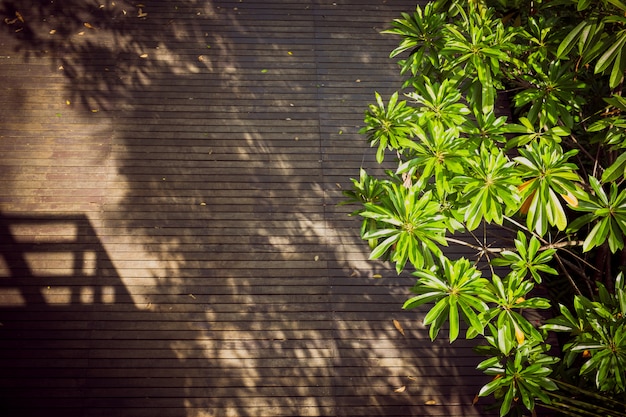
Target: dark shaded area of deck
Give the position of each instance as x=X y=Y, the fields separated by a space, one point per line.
x=170 y=240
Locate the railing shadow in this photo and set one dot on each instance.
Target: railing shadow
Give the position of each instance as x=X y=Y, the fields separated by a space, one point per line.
x=60 y=301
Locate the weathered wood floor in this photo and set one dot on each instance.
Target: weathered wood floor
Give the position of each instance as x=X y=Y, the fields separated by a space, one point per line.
x=170 y=240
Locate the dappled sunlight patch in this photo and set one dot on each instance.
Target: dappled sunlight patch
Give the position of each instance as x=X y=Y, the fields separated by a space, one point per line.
x=11 y=297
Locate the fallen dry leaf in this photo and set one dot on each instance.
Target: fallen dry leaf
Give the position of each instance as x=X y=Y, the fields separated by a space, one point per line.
x=401 y=389
x=431 y=402
x=143 y=56
x=53 y=31
x=19 y=16
x=192 y=296
x=140 y=13
x=88 y=25
x=398 y=326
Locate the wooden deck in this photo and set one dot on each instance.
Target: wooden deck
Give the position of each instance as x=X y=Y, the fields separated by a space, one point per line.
x=170 y=240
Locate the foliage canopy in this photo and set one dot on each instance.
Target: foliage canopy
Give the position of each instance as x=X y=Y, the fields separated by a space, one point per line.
x=510 y=141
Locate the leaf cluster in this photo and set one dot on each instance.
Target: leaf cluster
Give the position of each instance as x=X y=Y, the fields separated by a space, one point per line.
x=509 y=141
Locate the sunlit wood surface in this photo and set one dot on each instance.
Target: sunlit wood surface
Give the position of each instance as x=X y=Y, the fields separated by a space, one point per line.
x=170 y=239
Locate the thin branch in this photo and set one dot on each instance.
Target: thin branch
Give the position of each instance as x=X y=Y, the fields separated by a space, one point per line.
x=563 y=244
x=567 y=275
x=479 y=249
x=487 y=249
x=521 y=226
x=578 y=145
x=578 y=270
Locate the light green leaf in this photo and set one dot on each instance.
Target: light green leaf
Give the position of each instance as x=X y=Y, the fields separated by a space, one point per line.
x=570 y=40
x=610 y=55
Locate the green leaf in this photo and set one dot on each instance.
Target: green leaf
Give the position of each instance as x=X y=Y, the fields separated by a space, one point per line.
x=421 y=299
x=570 y=40
x=383 y=247
x=440 y=308
x=618 y=4
x=617 y=72
x=610 y=55
x=453 y=318
x=507 y=400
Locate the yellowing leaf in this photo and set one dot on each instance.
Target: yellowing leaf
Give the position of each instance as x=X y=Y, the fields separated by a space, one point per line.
x=570 y=199
x=398 y=326
x=526 y=204
x=525 y=185
x=401 y=389
x=431 y=402
x=377 y=276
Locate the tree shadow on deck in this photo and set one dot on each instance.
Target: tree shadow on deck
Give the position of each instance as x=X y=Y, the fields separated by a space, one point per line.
x=243 y=289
